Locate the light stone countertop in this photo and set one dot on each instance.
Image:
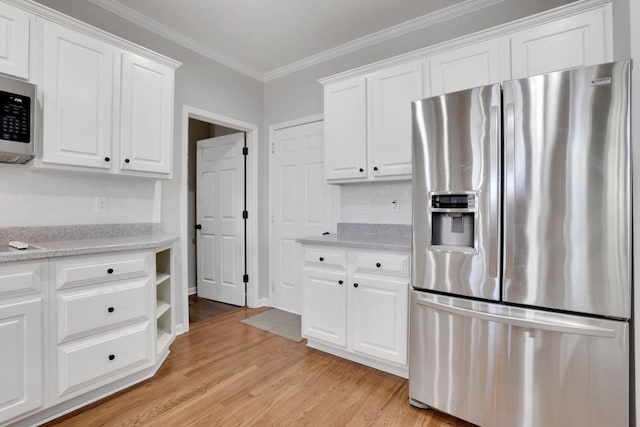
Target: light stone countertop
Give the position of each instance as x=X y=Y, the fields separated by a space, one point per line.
x=82 y=242
x=390 y=237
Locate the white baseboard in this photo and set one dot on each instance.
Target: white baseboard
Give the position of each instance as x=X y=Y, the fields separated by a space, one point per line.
x=192 y=290
x=263 y=302
x=181 y=328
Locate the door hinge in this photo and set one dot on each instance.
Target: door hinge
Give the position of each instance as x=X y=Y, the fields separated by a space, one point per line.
x=245 y=278
x=273 y=148
x=245 y=214
x=245 y=151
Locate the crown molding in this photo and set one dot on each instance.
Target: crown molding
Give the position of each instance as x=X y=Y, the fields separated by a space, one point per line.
x=135 y=17
x=540 y=18
x=419 y=23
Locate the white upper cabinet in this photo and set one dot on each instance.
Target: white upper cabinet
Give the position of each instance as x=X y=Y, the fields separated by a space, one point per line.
x=574 y=41
x=391 y=92
x=145 y=115
x=15 y=27
x=467 y=67
x=77 y=85
x=345 y=130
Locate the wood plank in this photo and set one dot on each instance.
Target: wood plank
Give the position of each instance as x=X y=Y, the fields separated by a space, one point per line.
x=223 y=372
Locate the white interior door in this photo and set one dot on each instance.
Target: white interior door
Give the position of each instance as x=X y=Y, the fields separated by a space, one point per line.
x=302 y=205
x=219 y=206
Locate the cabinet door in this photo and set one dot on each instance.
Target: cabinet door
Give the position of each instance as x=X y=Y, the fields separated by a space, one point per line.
x=571 y=42
x=20 y=358
x=14 y=41
x=146 y=115
x=345 y=121
x=77 y=84
x=379 y=310
x=467 y=67
x=324 y=311
x=391 y=92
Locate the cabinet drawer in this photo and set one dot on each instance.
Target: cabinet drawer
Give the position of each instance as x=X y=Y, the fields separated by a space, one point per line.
x=326 y=257
x=375 y=262
x=84 y=364
x=21 y=278
x=96 y=269
x=98 y=308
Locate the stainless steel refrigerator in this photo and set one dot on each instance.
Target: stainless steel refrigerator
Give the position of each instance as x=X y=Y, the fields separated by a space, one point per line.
x=522 y=251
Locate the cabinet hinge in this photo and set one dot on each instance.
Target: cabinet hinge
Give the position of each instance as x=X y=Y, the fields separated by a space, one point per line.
x=245 y=278
x=245 y=151
x=245 y=214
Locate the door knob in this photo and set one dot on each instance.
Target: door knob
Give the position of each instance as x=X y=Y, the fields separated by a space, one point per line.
x=198 y=226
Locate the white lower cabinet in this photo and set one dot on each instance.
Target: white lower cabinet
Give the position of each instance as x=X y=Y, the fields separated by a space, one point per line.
x=21 y=357
x=325 y=306
x=359 y=312
x=379 y=317
x=21 y=334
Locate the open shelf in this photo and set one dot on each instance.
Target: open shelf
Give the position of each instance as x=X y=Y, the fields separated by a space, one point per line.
x=164 y=301
x=161 y=278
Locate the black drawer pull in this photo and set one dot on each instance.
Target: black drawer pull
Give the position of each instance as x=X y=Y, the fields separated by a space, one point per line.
x=111 y=309
x=378 y=265
x=112 y=356
x=361 y=170
x=321 y=259
x=127 y=160
x=107 y=159
x=110 y=271
x=340 y=282
x=355 y=285
x=375 y=168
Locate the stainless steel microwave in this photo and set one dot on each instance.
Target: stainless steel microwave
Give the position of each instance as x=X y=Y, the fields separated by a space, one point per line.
x=17 y=120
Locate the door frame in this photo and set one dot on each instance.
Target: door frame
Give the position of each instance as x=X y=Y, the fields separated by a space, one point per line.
x=251 y=131
x=336 y=201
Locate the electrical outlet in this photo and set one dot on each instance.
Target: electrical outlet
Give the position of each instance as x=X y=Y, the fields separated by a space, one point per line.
x=395 y=205
x=102 y=204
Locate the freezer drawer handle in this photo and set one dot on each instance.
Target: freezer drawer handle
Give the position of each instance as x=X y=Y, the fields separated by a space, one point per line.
x=523 y=323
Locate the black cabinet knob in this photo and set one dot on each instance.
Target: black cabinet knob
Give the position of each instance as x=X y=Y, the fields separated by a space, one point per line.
x=378 y=265
x=127 y=160
x=361 y=170
x=198 y=226
x=340 y=282
x=326 y=233
x=375 y=168
x=111 y=309
x=110 y=271
x=107 y=159
x=321 y=259
x=355 y=285
x=112 y=356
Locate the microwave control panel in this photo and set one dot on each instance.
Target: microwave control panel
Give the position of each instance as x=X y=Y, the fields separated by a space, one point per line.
x=15 y=117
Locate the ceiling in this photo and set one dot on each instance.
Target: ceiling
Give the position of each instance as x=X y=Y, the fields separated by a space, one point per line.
x=268 y=38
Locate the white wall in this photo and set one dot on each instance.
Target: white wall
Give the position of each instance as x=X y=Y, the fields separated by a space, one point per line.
x=200 y=83
x=29 y=198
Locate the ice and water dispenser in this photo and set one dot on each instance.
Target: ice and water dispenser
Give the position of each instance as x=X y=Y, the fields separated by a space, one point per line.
x=453 y=220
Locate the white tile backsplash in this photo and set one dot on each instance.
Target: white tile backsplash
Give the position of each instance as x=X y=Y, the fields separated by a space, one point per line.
x=373 y=203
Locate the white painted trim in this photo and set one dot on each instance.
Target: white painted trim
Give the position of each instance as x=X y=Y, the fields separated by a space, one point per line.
x=490 y=33
x=192 y=290
x=404 y=28
x=77 y=25
x=252 y=201
x=263 y=302
x=162 y=30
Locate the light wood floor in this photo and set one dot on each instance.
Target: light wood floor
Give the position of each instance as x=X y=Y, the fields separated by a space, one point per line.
x=226 y=373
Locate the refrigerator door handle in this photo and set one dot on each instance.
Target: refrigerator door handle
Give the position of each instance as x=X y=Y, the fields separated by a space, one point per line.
x=494 y=136
x=568 y=328
x=510 y=188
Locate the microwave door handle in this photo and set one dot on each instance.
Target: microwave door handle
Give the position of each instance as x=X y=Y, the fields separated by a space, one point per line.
x=510 y=188
x=522 y=322
x=494 y=211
